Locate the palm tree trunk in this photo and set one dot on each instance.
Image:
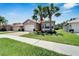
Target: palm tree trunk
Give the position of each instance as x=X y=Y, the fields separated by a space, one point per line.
x=41 y=19
x=0 y=26
x=50 y=24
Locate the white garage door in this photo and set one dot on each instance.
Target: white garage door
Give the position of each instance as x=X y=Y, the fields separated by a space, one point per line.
x=76 y=27
x=29 y=28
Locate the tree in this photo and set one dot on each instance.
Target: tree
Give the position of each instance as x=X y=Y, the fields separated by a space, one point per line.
x=34 y=17
x=3 y=21
x=60 y=25
x=52 y=11
x=40 y=11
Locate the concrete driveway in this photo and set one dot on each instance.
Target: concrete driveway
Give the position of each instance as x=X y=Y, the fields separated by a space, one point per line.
x=17 y=33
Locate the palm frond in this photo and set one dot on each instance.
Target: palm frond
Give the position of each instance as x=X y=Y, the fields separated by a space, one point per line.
x=35 y=11
x=57 y=14
x=40 y=7
x=56 y=9
x=51 y=5
x=34 y=17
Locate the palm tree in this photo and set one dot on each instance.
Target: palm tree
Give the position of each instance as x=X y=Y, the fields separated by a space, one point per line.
x=34 y=17
x=40 y=11
x=52 y=11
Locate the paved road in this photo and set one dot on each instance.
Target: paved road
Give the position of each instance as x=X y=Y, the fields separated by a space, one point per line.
x=58 y=47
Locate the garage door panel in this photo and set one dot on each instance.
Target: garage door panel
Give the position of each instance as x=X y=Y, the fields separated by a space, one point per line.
x=29 y=28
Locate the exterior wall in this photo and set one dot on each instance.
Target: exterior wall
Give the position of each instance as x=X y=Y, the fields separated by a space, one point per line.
x=47 y=24
x=6 y=27
x=67 y=28
x=17 y=28
x=29 y=26
x=9 y=28
x=1 y=27
x=75 y=26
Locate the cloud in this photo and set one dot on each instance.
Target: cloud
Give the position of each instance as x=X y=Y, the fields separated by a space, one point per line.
x=67 y=7
x=67 y=11
x=70 y=5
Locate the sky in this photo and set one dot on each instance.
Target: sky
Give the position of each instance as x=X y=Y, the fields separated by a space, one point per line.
x=20 y=12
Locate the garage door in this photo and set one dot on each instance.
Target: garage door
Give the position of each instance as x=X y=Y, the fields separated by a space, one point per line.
x=29 y=28
x=75 y=27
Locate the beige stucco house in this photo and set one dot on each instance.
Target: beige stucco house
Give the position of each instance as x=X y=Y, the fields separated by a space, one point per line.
x=29 y=25
x=6 y=27
x=17 y=27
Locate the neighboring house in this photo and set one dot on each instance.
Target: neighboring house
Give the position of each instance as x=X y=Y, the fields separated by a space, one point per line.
x=29 y=25
x=8 y=27
x=74 y=24
x=17 y=27
x=2 y=28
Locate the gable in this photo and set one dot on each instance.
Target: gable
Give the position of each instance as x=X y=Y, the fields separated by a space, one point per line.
x=29 y=22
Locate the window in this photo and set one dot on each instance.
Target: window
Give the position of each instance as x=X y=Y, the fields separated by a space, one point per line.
x=46 y=26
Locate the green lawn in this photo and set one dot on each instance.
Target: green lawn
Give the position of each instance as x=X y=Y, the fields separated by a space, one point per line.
x=62 y=37
x=9 y=47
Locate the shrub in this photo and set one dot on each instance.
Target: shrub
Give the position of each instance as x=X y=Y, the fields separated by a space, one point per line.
x=71 y=30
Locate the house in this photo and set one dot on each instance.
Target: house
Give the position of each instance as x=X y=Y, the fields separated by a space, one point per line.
x=2 y=27
x=46 y=25
x=74 y=24
x=29 y=25
x=17 y=27
x=6 y=27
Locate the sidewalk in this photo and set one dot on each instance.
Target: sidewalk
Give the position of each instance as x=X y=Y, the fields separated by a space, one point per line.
x=58 y=47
